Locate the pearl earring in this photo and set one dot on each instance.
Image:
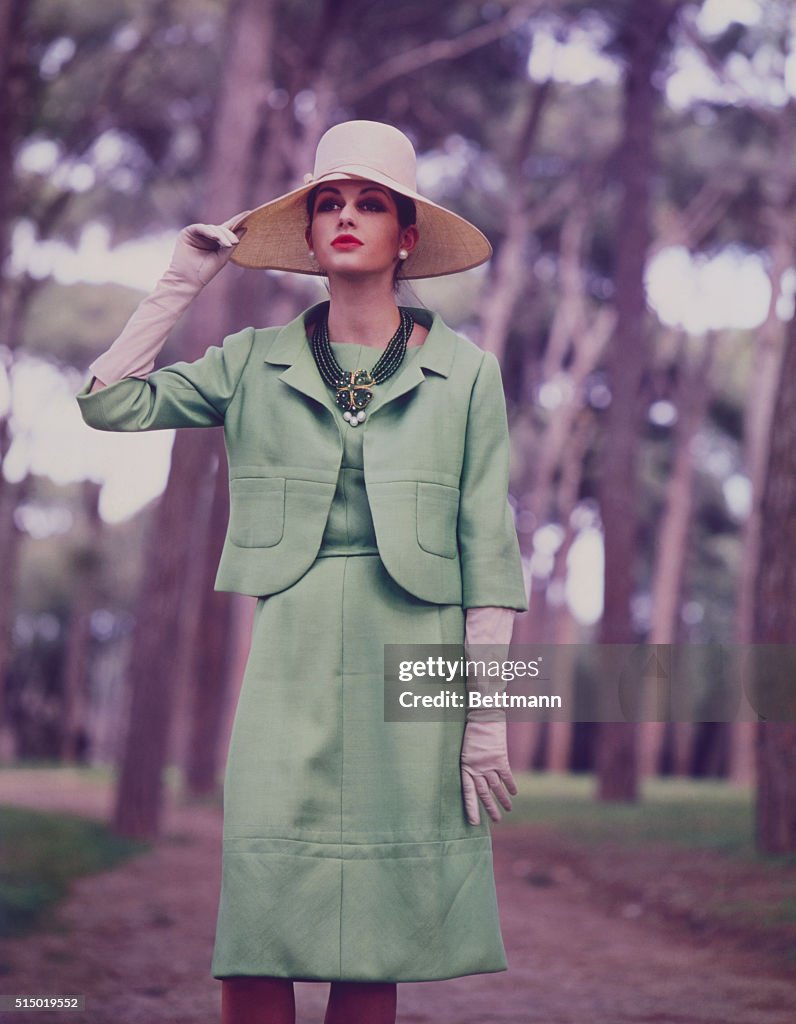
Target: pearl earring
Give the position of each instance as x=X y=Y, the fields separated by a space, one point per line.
x=311 y=254
x=403 y=254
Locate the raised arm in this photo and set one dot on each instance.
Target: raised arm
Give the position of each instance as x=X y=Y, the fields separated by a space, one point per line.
x=200 y=252
x=126 y=393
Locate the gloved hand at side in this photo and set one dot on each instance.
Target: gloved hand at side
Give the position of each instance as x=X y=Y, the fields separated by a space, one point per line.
x=200 y=252
x=485 y=769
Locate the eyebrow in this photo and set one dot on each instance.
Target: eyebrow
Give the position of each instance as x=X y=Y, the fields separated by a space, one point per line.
x=368 y=188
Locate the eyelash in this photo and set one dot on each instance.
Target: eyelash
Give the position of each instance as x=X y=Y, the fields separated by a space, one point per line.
x=327 y=205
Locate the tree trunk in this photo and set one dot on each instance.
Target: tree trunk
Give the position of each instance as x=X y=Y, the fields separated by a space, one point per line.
x=564 y=628
x=775 y=614
x=74 y=737
x=15 y=75
x=559 y=738
x=758 y=415
x=510 y=266
x=671 y=548
x=16 y=72
x=775 y=808
x=153 y=663
x=190 y=635
x=11 y=496
x=646 y=32
x=211 y=665
x=522 y=736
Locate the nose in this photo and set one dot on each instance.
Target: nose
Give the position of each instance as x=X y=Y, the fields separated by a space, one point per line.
x=346 y=215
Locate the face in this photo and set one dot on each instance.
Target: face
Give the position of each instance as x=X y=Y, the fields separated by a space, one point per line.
x=355 y=229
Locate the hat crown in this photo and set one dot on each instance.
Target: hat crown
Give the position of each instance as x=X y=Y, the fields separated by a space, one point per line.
x=367 y=144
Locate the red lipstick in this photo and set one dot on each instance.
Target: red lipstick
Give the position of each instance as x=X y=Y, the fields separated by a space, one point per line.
x=346 y=242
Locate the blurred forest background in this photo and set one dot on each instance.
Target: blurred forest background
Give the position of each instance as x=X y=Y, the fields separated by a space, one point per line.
x=634 y=166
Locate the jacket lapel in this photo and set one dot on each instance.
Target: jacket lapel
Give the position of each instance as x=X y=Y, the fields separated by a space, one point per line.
x=292 y=347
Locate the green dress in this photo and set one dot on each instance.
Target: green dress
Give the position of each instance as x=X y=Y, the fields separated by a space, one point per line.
x=347 y=854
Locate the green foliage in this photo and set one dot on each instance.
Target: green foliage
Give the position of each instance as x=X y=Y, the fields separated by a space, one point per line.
x=70 y=324
x=728 y=147
x=80 y=20
x=39 y=857
x=142 y=77
x=49 y=565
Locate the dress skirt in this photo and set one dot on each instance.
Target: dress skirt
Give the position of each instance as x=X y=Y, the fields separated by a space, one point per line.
x=347 y=854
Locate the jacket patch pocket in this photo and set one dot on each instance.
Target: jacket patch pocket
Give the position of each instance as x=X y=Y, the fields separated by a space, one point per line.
x=437 y=513
x=257 y=511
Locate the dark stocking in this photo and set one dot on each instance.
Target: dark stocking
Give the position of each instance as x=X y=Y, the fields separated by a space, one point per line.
x=361 y=1002
x=248 y=1000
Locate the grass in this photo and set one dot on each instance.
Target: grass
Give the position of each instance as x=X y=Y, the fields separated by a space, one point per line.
x=96 y=773
x=41 y=853
x=105 y=775
x=769 y=916
x=688 y=813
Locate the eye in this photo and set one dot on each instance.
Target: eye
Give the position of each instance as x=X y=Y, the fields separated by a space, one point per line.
x=325 y=205
x=373 y=205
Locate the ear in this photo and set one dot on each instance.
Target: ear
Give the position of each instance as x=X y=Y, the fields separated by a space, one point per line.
x=308 y=237
x=410 y=237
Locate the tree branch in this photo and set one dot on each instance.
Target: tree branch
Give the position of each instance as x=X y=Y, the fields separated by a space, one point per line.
x=441 y=49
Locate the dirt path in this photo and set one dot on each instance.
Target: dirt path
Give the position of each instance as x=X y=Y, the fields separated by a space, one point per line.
x=137 y=942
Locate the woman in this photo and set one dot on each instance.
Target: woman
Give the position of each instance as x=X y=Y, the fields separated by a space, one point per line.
x=353 y=846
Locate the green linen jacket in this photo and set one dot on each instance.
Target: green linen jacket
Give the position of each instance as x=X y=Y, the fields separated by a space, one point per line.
x=435 y=456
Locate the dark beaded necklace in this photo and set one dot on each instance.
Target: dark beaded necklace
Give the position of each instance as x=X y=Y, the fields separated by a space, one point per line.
x=354 y=388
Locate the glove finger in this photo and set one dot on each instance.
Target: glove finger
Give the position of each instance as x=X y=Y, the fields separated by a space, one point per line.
x=508 y=780
x=216 y=232
x=503 y=797
x=195 y=236
x=470 y=800
x=495 y=781
x=233 y=222
x=224 y=241
x=482 y=787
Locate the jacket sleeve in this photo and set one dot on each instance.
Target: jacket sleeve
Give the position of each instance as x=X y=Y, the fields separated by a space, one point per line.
x=489 y=550
x=181 y=395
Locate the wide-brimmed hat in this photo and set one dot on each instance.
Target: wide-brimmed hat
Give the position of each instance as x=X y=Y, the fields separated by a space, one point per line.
x=274 y=236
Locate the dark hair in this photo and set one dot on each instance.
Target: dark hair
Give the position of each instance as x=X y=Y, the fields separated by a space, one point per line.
x=407 y=216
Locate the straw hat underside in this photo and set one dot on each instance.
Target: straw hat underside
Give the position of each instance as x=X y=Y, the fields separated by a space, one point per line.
x=274 y=237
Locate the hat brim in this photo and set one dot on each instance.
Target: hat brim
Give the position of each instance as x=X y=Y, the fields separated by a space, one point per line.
x=274 y=236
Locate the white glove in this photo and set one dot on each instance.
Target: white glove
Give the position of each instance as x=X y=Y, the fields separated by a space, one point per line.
x=493 y=626
x=485 y=770
x=200 y=252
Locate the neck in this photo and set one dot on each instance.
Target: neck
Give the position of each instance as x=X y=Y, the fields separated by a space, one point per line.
x=362 y=313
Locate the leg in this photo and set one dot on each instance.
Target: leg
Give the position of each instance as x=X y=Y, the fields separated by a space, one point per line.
x=362 y=1002
x=250 y=1000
